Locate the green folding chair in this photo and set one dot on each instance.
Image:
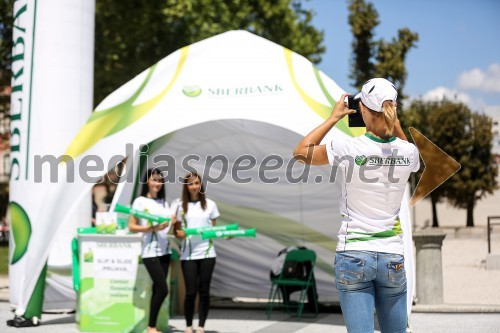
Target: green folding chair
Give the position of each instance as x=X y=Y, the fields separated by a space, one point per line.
x=308 y=259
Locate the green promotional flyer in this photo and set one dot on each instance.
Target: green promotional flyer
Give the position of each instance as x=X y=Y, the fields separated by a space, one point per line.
x=115 y=288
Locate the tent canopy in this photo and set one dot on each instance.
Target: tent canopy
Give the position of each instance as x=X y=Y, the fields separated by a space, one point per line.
x=233 y=95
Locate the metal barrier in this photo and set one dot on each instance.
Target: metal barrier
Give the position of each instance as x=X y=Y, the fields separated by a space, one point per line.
x=489 y=229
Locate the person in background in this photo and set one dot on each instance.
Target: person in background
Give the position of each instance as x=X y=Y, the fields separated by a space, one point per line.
x=369 y=263
x=155 y=246
x=194 y=210
x=4 y=231
x=94 y=211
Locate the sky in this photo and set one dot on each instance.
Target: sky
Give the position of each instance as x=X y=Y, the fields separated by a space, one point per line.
x=457 y=55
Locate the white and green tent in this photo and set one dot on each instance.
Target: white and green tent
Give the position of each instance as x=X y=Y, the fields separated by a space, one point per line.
x=222 y=100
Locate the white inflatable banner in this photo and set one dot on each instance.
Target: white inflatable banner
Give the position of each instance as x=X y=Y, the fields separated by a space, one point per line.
x=52 y=86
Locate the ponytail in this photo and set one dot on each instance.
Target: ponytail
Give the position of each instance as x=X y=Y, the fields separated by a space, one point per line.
x=390 y=116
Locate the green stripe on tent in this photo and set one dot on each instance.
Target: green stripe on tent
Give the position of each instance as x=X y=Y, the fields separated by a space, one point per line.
x=110 y=121
x=324 y=111
x=281 y=229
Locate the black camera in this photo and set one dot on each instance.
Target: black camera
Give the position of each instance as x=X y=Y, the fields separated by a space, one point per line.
x=355 y=119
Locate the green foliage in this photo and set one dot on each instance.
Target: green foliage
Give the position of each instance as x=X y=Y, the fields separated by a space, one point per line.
x=6 y=11
x=479 y=170
x=422 y=115
x=391 y=59
x=4 y=198
x=466 y=137
x=377 y=58
x=363 y=18
x=4 y=260
x=131 y=35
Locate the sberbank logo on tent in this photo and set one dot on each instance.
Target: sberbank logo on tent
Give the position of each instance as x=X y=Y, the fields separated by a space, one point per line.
x=192 y=91
x=246 y=90
x=234 y=91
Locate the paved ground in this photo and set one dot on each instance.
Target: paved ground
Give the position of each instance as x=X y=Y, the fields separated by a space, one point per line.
x=255 y=321
x=469 y=289
x=465 y=278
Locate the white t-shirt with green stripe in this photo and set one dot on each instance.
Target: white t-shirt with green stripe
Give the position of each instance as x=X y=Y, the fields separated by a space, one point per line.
x=376 y=172
x=193 y=246
x=154 y=244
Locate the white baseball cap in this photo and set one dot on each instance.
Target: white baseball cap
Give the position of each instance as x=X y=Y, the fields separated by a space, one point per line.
x=375 y=92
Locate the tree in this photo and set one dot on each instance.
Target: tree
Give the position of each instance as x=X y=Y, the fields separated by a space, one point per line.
x=6 y=11
x=391 y=59
x=449 y=117
x=131 y=35
x=377 y=58
x=363 y=18
x=479 y=170
x=466 y=137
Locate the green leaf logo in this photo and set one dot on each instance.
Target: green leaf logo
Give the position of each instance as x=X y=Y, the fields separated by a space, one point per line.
x=360 y=160
x=88 y=256
x=192 y=91
x=21 y=230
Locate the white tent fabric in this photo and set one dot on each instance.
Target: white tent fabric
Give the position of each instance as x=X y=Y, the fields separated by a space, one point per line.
x=284 y=214
x=232 y=94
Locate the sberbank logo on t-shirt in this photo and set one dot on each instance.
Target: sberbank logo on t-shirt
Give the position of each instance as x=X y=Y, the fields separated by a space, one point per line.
x=360 y=160
x=386 y=161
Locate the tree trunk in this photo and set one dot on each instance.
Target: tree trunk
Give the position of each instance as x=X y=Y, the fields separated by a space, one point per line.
x=434 y=201
x=470 y=213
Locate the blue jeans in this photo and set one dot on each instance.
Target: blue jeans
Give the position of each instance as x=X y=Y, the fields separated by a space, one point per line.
x=366 y=280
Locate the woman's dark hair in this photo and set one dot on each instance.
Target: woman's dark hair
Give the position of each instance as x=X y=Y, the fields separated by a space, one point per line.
x=145 y=188
x=185 y=192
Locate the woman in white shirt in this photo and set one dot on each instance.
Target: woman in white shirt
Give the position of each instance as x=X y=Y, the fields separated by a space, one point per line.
x=155 y=245
x=194 y=210
x=369 y=263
